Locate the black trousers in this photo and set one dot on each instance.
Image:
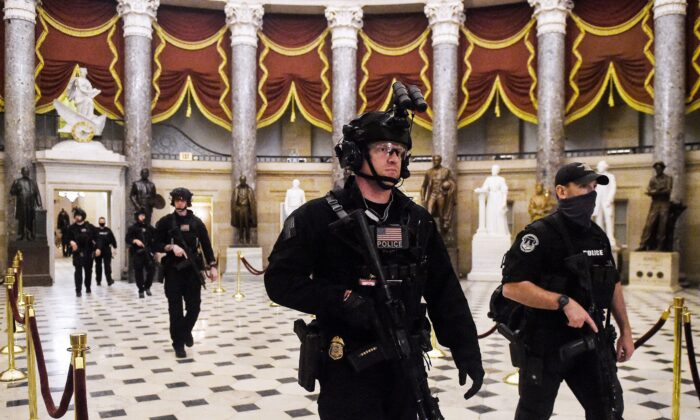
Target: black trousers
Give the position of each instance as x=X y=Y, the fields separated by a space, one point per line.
x=83 y=270
x=104 y=259
x=142 y=262
x=183 y=285
x=376 y=393
x=582 y=375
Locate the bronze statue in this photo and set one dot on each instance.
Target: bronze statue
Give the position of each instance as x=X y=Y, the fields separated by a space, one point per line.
x=438 y=193
x=243 y=210
x=27 y=201
x=541 y=204
x=143 y=194
x=656 y=228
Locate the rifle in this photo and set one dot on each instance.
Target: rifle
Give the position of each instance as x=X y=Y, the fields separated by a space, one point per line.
x=189 y=255
x=389 y=324
x=146 y=249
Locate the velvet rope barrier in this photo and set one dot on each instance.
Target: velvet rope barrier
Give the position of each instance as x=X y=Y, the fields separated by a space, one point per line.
x=488 y=333
x=250 y=268
x=81 y=410
x=653 y=330
x=55 y=412
x=691 y=353
x=13 y=304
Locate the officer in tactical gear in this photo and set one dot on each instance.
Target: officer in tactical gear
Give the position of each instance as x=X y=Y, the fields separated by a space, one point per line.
x=567 y=289
x=316 y=269
x=105 y=241
x=81 y=237
x=184 y=239
x=140 y=238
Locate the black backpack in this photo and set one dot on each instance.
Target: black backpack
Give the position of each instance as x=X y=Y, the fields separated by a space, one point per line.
x=508 y=314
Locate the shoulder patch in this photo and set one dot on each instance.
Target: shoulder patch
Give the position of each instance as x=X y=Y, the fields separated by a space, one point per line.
x=528 y=243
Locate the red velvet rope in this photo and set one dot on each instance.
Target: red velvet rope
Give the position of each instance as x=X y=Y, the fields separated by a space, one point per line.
x=488 y=333
x=691 y=357
x=653 y=330
x=13 y=305
x=81 y=411
x=250 y=268
x=55 y=412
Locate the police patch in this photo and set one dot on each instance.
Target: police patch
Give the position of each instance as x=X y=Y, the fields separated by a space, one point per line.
x=528 y=243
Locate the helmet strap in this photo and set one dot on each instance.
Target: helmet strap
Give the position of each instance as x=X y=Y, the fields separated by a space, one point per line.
x=379 y=179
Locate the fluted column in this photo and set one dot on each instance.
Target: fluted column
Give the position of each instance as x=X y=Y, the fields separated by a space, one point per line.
x=344 y=23
x=137 y=16
x=20 y=125
x=551 y=32
x=669 y=90
x=244 y=20
x=445 y=18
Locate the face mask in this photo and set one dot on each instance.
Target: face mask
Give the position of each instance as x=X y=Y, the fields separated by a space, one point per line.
x=102 y=225
x=579 y=209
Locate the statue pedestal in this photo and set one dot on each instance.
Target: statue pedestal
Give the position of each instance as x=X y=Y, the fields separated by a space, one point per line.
x=654 y=271
x=252 y=254
x=36 y=261
x=487 y=255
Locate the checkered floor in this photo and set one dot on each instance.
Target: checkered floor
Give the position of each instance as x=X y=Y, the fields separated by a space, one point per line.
x=243 y=364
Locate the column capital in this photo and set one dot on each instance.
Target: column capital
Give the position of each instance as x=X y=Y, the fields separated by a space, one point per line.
x=551 y=15
x=138 y=16
x=344 y=22
x=669 y=7
x=445 y=17
x=245 y=20
x=20 y=9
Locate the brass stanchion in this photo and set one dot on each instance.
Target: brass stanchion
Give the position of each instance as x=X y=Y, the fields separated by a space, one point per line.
x=31 y=358
x=677 y=338
x=78 y=347
x=218 y=289
x=436 y=352
x=239 y=296
x=11 y=374
x=512 y=378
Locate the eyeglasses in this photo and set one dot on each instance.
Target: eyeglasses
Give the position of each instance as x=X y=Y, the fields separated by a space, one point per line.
x=388 y=149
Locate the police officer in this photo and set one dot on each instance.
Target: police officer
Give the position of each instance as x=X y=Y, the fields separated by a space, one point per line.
x=179 y=235
x=62 y=223
x=317 y=270
x=140 y=238
x=81 y=237
x=562 y=269
x=105 y=241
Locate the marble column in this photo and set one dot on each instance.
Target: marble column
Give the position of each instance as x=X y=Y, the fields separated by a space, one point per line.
x=344 y=23
x=551 y=32
x=20 y=123
x=137 y=16
x=244 y=20
x=445 y=18
x=669 y=90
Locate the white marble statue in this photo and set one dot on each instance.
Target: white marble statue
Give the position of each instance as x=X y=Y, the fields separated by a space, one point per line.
x=604 y=213
x=294 y=198
x=496 y=189
x=81 y=122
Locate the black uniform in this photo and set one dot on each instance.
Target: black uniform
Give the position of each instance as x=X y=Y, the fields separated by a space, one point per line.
x=84 y=236
x=142 y=258
x=311 y=268
x=62 y=223
x=104 y=241
x=181 y=281
x=538 y=255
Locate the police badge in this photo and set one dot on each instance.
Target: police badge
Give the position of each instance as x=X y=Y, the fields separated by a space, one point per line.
x=335 y=351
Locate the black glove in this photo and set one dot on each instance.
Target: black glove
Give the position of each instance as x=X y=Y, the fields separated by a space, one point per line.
x=358 y=311
x=475 y=371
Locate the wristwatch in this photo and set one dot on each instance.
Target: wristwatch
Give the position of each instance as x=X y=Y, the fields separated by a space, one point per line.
x=563 y=301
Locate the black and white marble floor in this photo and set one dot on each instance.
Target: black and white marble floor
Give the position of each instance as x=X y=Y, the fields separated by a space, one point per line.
x=243 y=364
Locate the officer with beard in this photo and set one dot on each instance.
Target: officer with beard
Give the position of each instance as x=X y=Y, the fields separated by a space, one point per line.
x=562 y=269
x=103 y=251
x=179 y=235
x=81 y=237
x=140 y=238
x=317 y=270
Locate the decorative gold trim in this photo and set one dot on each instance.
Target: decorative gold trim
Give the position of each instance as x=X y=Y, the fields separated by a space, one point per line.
x=40 y=65
x=496 y=45
x=325 y=81
x=261 y=84
x=189 y=45
x=613 y=30
x=113 y=71
x=577 y=66
x=158 y=71
x=224 y=79
x=531 y=70
x=80 y=33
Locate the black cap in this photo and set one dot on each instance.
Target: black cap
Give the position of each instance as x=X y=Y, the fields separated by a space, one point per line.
x=139 y=211
x=78 y=211
x=580 y=173
x=659 y=163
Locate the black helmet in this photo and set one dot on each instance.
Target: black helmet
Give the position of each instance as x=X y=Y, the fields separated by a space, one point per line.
x=183 y=193
x=78 y=211
x=141 y=210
